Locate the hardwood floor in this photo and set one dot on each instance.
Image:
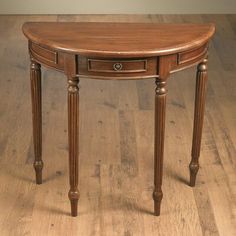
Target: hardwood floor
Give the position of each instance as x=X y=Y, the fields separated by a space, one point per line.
x=116 y=145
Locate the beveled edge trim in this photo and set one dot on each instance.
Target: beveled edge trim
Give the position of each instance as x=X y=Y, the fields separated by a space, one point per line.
x=180 y=62
x=117 y=78
x=35 y=53
x=119 y=71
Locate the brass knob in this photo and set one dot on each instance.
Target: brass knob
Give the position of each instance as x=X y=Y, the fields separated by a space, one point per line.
x=117 y=66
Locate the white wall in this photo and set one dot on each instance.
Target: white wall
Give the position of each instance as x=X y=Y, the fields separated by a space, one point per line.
x=116 y=6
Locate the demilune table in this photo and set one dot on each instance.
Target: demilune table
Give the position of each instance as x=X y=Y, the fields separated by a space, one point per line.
x=120 y=51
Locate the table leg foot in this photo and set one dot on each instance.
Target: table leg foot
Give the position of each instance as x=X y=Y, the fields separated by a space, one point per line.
x=38 y=166
x=193 y=167
x=74 y=197
x=157 y=197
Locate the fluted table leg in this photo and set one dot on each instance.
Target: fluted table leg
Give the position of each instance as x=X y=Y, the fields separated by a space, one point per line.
x=160 y=107
x=73 y=132
x=35 y=78
x=200 y=94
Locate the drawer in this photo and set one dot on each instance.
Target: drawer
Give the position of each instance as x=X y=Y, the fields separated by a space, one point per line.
x=123 y=68
x=117 y=66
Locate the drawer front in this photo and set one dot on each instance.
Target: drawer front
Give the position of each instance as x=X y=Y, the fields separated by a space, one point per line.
x=115 y=66
x=124 y=68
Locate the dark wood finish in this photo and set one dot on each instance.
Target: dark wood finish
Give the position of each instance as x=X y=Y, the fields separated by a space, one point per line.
x=47 y=56
x=73 y=135
x=131 y=68
x=200 y=94
x=118 y=51
x=117 y=66
x=160 y=111
x=160 y=106
x=43 y=53
x=73 y=130
x=118 y=40
x=36 y=97
x=192 y=55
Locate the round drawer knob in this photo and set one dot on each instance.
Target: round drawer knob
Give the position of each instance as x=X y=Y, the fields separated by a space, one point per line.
x=117 y=66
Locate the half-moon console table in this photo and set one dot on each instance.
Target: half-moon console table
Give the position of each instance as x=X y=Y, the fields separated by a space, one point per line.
x=117 y=51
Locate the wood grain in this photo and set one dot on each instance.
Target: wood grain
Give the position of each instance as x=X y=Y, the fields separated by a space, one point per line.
x=116 y=40
x=108 y=203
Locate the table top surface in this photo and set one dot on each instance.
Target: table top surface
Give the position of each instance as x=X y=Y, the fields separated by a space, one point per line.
x=118 y=39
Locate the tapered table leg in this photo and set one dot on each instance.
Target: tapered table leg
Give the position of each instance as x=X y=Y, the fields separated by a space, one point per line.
x=73 y=132
x=200 y=94
x=160 y=107
x=35 y=78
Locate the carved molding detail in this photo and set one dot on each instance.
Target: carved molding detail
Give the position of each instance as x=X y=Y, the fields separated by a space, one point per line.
x=73 y=85
x=160 y=87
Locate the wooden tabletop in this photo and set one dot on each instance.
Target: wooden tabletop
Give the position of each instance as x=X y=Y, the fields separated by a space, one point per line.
x=118 y=39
